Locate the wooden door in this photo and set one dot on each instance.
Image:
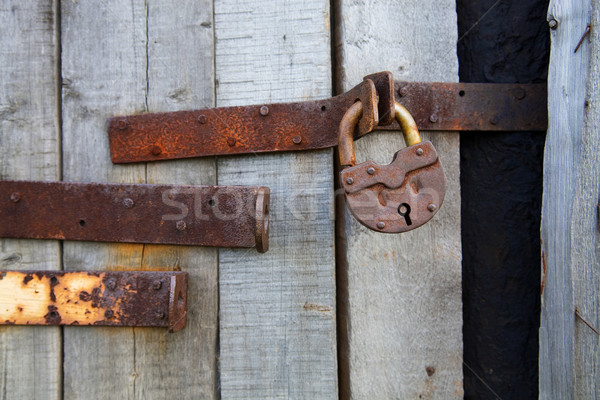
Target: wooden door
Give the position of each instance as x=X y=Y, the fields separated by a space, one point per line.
x=325 y=313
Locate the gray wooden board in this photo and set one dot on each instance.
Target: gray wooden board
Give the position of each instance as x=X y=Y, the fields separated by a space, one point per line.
x=30 y=357
x=123 y=59
x=403 y=312
x=569 y=349
x=277 y=310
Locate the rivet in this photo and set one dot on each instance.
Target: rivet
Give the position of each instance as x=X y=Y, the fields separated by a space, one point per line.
x=231 y=141
x=111 y=284
x=297 y=139
x=432 y=207
x=15 y=197
x=109 y=314
x=520 y=93
x=494 y=120
x=370 y=170
x=156 y=285
x=264 y=111
x=127 y=203
x=350 y=181
x=403 y=91
x=202 y=119
x=430 y=371
x=156 y=150
x=433 y=118
x=419 y=151
x=381 y=224
x=553 y=24
x=160 y=315
x=122 y=124
x=181 y=225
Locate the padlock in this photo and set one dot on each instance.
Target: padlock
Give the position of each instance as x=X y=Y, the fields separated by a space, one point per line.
x=397 y=197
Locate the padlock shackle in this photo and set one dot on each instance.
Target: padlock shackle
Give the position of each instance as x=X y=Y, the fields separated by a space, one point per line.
x=350 y=120
x=408 y=125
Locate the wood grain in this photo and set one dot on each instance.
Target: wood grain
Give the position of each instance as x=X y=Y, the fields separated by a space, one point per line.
x=123 y=59
x=30 y=357
x=400 y=327
x=277 y=310
x=569 y=367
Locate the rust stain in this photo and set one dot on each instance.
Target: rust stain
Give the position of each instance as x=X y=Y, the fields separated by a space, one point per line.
x=316 y=307
x=543 y=285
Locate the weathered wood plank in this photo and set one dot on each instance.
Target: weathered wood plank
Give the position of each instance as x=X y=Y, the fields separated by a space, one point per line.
x=569 y=350
x=277 y=310
x=104 y=73
x=403 y=310
x=181 y=77
x=152 y=57
x=30 y=357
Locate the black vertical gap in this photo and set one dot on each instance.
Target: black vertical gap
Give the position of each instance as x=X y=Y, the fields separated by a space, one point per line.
x=341 y=259
x=501 y=190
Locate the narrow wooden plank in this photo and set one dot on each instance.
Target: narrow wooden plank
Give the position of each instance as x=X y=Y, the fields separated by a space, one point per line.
x=30 y=357
x=277 y=310
x=568 y=348
x=152 y=58
x=400 y=326
x=181 y=77
x=104 y=64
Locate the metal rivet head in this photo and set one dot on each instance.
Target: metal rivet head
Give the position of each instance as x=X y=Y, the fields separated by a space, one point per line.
x=202 y=119
x=349 y=181
x=127 y=203
x=297 y=139
x=433 y=118
x=381 y=225
x=156 y=285
x=156 y=150
x=403 y=91
x=419 y=151
x=264 y=111
x=494 y=120
x=160 y=315
x=111 y=284
x=122 y=124
x=15 y=197
x=432 y=207
x=430 y=371
x=231 y=141
x=109 y=314
x=181 y=225
x=370 y=170
x=520 y=93
x=553 y=24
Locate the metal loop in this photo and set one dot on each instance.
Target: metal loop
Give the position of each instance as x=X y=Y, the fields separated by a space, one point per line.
x=350 y=120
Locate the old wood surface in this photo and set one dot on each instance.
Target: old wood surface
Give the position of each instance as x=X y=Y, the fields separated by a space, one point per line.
x=400 y=328
x=277 y=310
x=570 y=349
x=30 y=357
x=122 y=59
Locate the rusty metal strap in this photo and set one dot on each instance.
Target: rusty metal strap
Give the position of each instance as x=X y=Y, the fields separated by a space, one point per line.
x=112 y=298
x=313 y=125
x=222 y=216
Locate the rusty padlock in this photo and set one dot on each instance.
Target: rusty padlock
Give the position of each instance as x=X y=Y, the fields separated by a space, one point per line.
x=397 y=197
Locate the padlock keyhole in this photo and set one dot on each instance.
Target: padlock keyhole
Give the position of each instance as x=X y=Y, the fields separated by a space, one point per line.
x=404 y=211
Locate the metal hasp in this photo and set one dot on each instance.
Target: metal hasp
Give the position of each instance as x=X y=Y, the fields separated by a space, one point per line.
x=221 y=216
x=313 y=125
x=111 y=298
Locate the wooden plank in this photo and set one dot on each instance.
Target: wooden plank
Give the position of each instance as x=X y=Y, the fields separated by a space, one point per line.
x=569 y=350
x=400 y=325
x=30 y=357
x=181 y=77
x=151 y=58
x=277 y=310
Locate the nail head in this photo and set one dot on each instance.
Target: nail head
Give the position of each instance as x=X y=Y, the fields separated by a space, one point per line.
x=370 y=170
x=128 y=203
x=202 y=119
x=297 y=139
x=264 y=111
x=381 y=225
x=419 y=151
x=350 y=181
x=432 y=207
x=15 y=197
x=181 y=225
